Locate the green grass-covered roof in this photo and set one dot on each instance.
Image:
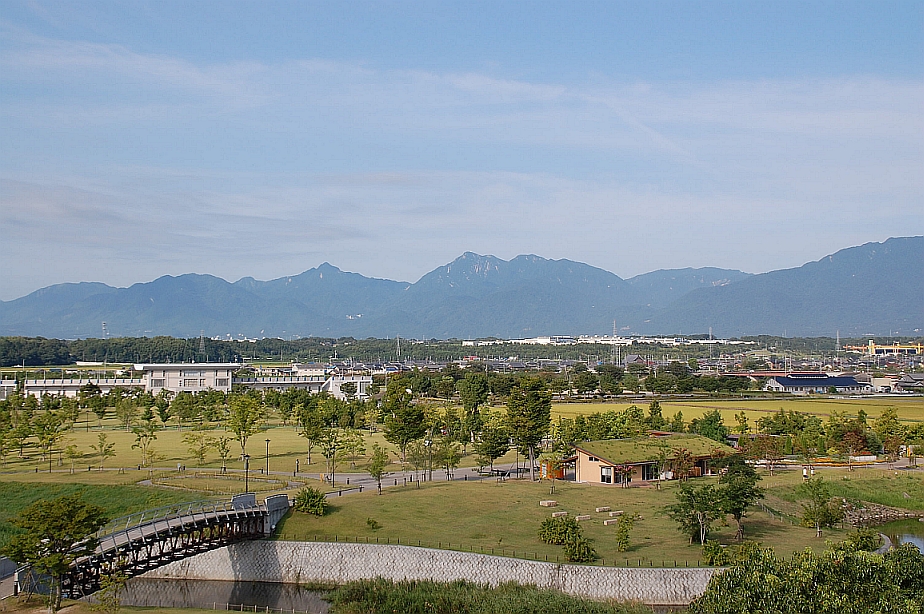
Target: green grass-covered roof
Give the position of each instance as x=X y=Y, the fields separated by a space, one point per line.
x=642 y=449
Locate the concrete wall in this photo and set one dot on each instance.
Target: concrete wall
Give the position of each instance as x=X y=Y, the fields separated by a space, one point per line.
x=277 y=561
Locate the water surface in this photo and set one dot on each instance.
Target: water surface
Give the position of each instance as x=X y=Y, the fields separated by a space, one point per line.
x=221 y=595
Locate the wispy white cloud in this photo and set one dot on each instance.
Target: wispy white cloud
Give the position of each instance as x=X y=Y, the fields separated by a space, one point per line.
x=111 y=156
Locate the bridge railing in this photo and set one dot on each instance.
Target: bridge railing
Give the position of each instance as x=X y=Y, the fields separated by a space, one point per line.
x=177 y=511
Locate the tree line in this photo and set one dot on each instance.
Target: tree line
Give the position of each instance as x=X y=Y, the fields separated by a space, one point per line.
x=39 y=351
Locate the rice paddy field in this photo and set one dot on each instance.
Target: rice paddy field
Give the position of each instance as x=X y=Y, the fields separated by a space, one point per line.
x=910 y=409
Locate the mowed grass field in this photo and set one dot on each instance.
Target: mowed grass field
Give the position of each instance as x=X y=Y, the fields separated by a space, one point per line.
x=504 y=517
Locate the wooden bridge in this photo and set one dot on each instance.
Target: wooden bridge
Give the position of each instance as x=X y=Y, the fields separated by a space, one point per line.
x=140 y=542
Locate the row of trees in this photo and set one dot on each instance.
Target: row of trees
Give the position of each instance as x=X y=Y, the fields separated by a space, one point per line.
x=38 y=351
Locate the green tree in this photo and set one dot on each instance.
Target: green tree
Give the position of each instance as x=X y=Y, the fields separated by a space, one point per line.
x=529 y=414
x=377 y=464
x=655 y=420
x=223 y=448
x=631 y=381
x=348 y=389
x=145 y=435
x=739 y=491
x=103 y=448
x=586 y=382
x=353 y=444
x=127 y=412
x=55 y=534
x=473 y=390
x=767 y=448
x=109 y=595
x=404 y=420
x=742 y=419
x=887 y=425
x=682 y=463
x=710 y=425
x=49 y=428
x=493 y=442
x=245 y=419
x=311 y=424
x=22 y=430
x=330 y=443
x=696 y=509
x=199 y=442
x=836 y=581
x=623 y=530
x=73 y=454
x=447 y=455
x=162 y=406
x=819 y=510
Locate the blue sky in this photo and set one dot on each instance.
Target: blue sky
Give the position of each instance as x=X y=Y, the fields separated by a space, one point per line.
x=262 y=138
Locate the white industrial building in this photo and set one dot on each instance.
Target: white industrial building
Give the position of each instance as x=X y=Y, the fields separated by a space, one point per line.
x=196 y=377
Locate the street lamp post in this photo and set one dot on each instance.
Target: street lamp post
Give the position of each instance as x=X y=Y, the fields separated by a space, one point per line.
x=246 y=473
x=267 y=456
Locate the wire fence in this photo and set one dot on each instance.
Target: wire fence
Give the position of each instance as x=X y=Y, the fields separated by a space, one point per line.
x=489 y=550
x=240 y=607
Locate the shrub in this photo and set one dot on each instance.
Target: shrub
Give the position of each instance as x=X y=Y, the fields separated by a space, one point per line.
x=714 y=554
x=862 y=539
x=623 y=527
x=559 y=531
x=311 y=501
x=579 y=550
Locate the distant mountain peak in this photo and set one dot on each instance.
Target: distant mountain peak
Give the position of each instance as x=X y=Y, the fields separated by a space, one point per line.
x=872 y=287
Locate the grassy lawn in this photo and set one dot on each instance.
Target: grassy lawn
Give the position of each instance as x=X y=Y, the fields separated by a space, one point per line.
x=117 y=500
x=506 y=516
x=900 y=489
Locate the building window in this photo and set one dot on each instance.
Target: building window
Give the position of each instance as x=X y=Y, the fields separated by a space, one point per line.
x=606 y=475
x=649 y=472
x=190 y=383
x=157 y=383
x=221 y=383
x=592 y=459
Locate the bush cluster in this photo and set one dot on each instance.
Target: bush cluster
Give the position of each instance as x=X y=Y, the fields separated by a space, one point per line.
x=559 y=530
x=311 y=501
x=565 y=531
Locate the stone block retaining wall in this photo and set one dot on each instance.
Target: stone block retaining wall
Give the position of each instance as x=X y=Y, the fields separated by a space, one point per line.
x=294 y=562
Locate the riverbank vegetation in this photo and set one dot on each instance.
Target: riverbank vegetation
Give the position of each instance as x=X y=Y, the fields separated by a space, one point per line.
x=424 y=597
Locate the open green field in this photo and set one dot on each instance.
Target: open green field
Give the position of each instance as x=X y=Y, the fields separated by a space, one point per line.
x=909 y=409
x=503 y=517
x=285 y=447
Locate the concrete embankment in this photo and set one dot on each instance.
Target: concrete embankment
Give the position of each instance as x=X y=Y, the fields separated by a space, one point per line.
x=296 y=562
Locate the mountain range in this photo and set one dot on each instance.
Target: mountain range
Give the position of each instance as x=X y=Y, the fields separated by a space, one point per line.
x=873 y=288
